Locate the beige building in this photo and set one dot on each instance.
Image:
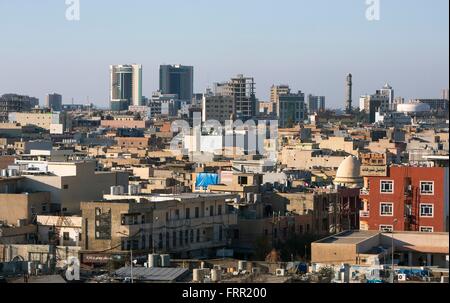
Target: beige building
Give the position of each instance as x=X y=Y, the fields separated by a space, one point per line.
x=297 y=158
x=45 y=120
x=277 y=90
x=21 y=208
x=186 y=225
x=373 y=247
x=341 y=144
x=70 y=183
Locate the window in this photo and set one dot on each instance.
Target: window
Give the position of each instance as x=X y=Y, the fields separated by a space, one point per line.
x=174 y=239
x=387 y=187
x=188 y=213
x=219 y=210
x=197 y=212
x=386 y=228
x=220 y=233
x=427 y=188
x=186 y=237
x=426 y=210
x=198 y=235
x=192 y=236
x=66 y=236
x=386 y=209
x=426 y=229
x=211 y=211
x=65 y=186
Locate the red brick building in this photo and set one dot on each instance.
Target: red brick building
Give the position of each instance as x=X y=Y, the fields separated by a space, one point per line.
x=407 y=199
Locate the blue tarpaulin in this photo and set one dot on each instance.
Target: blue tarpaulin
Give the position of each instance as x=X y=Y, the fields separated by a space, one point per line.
x=204 y=180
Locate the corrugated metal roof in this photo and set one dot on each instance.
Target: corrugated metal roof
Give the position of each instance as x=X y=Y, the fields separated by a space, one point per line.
x=151 y=274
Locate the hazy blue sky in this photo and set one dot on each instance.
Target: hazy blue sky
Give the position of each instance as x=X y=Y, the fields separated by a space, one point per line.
x=310 y=45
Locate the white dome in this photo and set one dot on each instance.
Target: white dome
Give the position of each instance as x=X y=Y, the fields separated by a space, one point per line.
x=413 y=107
x=349 y=173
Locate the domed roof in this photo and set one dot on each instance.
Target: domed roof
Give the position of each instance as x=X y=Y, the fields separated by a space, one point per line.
x=349 y=173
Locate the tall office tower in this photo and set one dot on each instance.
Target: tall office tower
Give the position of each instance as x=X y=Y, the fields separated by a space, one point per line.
x=291 y=109
x=316 y=104
x=242 y=89
x=277 y=90
x=348 y=102
x=177 y=79
x=126 y=86
x=53 y=102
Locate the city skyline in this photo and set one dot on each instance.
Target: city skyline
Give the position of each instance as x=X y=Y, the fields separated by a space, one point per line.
x=295 y=49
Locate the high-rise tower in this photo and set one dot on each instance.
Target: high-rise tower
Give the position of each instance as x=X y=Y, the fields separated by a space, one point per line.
x=177 y=79
x=125 y=86
x=348 y=102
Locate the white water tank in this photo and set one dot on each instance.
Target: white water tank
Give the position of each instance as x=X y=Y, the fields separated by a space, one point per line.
x=242 y=265
x=197 y=275
x=216 y=275
x=153 y=260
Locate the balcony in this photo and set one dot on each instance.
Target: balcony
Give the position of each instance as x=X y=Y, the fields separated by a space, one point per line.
x=364 y=214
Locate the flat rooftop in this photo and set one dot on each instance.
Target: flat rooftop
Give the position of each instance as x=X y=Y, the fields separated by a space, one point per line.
x=349 y=237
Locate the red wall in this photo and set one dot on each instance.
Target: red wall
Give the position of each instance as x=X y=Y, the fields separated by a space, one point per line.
x=398 y=175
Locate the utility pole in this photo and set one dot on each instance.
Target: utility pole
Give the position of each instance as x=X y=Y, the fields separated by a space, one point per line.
x=393 y=250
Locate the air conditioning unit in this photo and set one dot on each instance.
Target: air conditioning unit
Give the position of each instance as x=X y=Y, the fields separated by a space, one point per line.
x=280 y=272
x=401 y=277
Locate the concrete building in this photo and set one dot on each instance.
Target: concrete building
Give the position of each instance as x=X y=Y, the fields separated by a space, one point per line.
x=69 y=183
x=120 y=122
x=125 y=86
x=10 y=103
x=219 y=108
x=53 y=102
x=371 y=104
x=435 y=104
x=177 y=80
x=130 y=142
x=242 y=89
x=19 y=208
x=45 y=120
x=291 y=109
x=407 y=199
x=187 y=225
x=277 y=90
x=372 y=248
x=66 y=230
x=387 y=91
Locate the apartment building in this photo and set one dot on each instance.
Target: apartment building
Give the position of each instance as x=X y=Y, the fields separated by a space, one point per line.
x=186 y=225
x=69 y=183
x=407 y=199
